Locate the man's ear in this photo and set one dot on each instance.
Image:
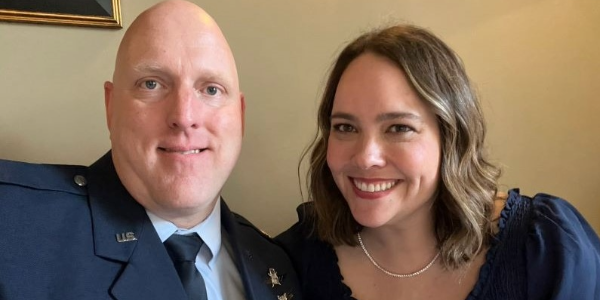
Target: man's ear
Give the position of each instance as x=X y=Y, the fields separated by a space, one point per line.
x=243 y=103
x=108 y=94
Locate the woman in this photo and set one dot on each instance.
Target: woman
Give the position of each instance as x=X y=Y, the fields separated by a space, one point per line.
x=404 y=201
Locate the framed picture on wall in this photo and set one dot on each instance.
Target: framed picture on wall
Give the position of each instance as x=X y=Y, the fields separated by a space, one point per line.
x=94 y=13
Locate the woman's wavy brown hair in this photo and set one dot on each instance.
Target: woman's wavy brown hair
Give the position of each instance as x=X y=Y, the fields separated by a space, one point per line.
x=464 y=205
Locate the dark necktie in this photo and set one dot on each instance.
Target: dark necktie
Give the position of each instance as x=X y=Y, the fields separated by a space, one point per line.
x=183 y=250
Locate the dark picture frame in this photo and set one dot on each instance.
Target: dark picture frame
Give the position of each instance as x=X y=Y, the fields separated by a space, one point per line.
x=93 y=13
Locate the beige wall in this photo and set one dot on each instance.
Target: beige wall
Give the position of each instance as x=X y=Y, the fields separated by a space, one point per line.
x=536 y=64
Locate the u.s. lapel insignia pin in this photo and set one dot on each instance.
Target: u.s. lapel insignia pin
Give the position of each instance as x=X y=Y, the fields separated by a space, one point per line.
x=273 y=278
x=126 y=237
x=285 y=296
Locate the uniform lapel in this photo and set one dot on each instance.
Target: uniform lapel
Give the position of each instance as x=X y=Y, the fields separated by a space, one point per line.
x=124 y=233
x=252 y=268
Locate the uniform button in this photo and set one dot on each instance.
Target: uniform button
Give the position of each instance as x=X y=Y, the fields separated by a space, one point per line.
x=80 y=180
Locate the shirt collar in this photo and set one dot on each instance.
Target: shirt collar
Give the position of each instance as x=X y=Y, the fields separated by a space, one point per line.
x=209 y=230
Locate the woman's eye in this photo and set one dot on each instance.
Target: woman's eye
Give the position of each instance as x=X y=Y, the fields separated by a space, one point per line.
x=212 y=90
x=343 y=128
x=150 y=84
x=400 y=128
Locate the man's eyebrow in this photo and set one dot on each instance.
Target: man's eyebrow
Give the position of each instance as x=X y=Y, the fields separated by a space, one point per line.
x=148 y=68
x=213 y=76
x=206 y=74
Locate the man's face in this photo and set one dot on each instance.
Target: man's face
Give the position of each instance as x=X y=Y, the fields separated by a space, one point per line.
x=175 y=116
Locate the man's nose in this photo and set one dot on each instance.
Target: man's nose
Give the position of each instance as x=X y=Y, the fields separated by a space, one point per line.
x=370 y=153
x=183 y=107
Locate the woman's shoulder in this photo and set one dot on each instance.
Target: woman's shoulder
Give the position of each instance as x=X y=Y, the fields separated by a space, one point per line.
x=303 y=229
x=315 y=260
x=299 y=238
x=543 y=216
x=557 y=240
x=547 y=215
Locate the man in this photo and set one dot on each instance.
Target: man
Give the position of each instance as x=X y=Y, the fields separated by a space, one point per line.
x=176 y=119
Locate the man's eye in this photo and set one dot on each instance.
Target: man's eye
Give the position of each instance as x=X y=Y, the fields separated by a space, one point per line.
x=212 y=90
x=150 y=84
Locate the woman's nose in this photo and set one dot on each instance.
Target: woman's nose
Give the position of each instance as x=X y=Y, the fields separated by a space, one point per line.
x=370 y=153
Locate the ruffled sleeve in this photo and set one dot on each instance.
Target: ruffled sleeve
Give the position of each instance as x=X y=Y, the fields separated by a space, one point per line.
x=562 y=251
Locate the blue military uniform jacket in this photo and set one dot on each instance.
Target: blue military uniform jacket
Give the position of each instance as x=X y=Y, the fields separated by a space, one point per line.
x=74 y=232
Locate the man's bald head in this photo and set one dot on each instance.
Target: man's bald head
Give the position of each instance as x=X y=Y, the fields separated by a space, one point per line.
x=175 y=112
x=171 y=22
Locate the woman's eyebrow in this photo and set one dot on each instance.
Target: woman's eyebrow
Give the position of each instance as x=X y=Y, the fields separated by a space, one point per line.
x=397 y=115
x=342 y=115
x=380 y=118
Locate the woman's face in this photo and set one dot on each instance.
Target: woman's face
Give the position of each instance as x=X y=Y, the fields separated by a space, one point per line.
x=384 y=147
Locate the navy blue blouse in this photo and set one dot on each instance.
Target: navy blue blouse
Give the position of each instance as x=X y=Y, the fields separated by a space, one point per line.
x=544 y=249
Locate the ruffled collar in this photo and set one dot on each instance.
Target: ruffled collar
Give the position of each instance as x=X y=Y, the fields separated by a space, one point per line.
x=490 y=257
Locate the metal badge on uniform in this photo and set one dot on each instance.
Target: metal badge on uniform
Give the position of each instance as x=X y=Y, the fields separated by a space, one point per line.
x=273 y=279
x=126 y=237
x=80 y=180
x=285 y=296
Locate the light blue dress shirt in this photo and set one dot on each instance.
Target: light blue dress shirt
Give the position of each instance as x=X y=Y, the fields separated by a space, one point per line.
x=214 y=261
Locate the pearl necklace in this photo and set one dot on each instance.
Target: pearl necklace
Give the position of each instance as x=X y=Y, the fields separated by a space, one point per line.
x=390 y=273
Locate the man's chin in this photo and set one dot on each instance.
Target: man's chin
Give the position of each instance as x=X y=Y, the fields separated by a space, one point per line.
x=189 y=204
